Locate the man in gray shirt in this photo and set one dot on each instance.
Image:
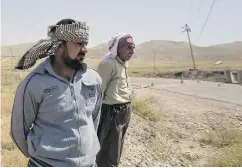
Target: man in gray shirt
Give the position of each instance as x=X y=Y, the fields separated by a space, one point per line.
x=116 y=108
x=56 y=109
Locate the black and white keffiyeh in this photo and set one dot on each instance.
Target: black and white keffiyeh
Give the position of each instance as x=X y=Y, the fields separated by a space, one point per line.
x=77 y=32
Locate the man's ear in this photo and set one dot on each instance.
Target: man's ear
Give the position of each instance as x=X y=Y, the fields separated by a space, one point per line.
x=118 y=51
x=62 y=46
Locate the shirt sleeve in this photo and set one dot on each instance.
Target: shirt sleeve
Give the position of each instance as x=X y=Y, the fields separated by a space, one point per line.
x=97 y=111
x=105 y=70
x=23 y=114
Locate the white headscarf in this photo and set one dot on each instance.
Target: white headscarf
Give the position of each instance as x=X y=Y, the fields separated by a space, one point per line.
x=113 y=45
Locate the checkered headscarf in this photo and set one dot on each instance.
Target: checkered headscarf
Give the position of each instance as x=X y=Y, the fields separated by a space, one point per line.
x=77 y=32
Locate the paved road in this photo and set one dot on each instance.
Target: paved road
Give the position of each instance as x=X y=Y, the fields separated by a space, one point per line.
x=231 y=93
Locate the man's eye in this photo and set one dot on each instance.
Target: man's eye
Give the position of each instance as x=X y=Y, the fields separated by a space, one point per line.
x=82 y=44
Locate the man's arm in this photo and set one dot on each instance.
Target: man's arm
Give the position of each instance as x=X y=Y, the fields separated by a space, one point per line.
x=97 y=111
x=105 y=70
x=23 y=115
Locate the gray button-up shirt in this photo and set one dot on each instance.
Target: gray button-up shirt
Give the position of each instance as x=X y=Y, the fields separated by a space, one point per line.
x=55 y=121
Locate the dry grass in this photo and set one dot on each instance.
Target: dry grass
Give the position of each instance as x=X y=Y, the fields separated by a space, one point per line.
x=11 y=156
x=144 y=109
x=191 y=157
x=222 y=137
x=141 y=68
x=229 y=143
x=230 y=156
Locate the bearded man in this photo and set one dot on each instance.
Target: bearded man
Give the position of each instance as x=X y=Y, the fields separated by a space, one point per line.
x=57 y=106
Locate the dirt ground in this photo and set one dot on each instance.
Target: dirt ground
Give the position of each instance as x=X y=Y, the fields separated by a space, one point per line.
x=175 y=140
x=215 y=76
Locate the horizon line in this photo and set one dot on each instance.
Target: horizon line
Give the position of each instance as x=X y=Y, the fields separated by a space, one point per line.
x=15 y=44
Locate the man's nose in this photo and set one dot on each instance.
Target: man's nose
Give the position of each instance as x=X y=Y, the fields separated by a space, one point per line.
x=84 y=49
x=132 y=51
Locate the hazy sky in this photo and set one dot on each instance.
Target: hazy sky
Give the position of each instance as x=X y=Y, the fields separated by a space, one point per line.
x=24 y=21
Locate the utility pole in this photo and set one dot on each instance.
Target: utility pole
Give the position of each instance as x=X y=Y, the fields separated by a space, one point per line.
x=187 y=29
x=154 y=59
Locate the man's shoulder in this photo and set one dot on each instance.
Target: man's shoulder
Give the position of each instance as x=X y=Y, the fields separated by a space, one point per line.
x=106 y=64
x=93 y=72
x=92 y=75
x=35 y=76
x=108 y=61
x=30 y=83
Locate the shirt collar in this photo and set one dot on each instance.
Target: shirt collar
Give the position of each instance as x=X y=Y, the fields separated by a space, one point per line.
x=126 y=64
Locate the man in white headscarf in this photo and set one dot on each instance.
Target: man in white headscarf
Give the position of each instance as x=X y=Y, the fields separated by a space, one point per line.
x=116 y=107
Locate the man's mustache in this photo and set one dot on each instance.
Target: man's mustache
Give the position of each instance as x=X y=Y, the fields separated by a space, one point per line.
x=81 y=54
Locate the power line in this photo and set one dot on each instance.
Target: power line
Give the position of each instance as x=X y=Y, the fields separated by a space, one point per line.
x=211 y=8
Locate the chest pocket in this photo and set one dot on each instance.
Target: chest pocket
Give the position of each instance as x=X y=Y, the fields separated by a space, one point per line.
x=55 y=106
x=90 y=93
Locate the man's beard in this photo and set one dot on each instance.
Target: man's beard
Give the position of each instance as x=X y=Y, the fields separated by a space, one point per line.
x=72 y=63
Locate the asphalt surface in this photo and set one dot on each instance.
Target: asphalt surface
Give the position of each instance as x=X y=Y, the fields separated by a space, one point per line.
x=231 y=93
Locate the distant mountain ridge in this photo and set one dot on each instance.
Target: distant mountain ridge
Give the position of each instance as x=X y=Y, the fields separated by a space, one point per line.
x=161 y=49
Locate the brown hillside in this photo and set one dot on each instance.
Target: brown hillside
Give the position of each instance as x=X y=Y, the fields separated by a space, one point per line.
x=162 y=49
x=98 y=51
x=17 y=50
x=179 y=51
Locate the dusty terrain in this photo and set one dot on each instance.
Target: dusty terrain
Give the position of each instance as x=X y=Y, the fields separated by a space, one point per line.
x=215 y=76
x=197 y=120
x=177 y=138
